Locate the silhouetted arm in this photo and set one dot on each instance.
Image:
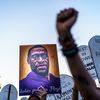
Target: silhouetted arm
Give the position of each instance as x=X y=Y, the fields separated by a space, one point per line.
x=75 y=93
x=85 y=84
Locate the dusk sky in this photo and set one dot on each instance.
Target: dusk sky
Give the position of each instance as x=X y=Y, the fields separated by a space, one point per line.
x=24 y=22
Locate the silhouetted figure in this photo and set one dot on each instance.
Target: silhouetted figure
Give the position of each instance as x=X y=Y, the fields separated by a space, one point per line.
x=85 y=84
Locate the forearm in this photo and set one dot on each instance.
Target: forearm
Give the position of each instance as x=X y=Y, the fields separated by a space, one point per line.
x=75 y=94
x=81 y=77
x=78 y=69
x=84 y=82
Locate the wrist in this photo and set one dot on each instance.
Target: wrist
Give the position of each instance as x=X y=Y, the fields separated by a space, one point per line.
x=65 y=37
x=70 y=52
x=69 y=47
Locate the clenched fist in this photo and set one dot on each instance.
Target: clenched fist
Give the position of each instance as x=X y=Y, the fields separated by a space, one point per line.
x=65 y=21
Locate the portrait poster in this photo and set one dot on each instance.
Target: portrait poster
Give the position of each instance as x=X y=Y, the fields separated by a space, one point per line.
x=38 y=69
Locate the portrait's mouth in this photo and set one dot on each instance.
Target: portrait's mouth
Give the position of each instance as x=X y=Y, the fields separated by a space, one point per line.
x=41 y=68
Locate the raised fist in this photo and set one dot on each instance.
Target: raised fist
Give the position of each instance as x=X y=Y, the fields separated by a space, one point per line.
x=65 y=20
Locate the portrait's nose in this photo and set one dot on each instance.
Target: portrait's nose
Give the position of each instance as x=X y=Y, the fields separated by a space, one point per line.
x=40 y=58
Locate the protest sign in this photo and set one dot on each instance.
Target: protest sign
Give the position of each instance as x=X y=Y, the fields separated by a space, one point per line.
x=94 y=45
x=39 y=69
x=85 y=55
x=8 y=92
x=67 y=84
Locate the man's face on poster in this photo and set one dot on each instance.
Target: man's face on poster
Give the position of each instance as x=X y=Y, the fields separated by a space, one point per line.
x=38 y=60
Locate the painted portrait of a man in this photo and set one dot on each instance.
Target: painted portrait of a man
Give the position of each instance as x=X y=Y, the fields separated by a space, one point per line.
x=38 y=69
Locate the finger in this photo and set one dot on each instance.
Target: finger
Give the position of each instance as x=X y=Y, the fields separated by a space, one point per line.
x=72 y=19
x=66 y=14
x=42 y=88
x=62 y=11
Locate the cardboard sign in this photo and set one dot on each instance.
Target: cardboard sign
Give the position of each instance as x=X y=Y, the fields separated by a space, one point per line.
x=51 y=97
x=67 y=85
x=39 y=69
x=24 y=98
x=8 y=92
x=94 y=45
x=87 y=60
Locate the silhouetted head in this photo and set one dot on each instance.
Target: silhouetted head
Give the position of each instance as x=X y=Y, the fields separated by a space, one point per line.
x=33 y=97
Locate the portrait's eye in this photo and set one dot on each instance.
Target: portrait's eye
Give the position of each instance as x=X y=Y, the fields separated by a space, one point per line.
x=35 y=57
x=44 y=56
